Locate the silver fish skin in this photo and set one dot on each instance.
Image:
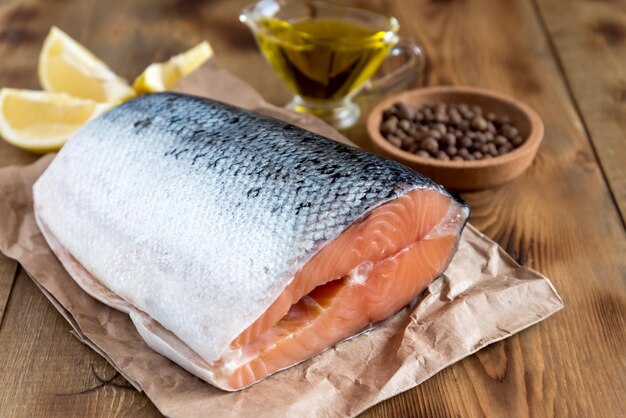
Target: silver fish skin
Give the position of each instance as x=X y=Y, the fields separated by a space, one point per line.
x=200 y=213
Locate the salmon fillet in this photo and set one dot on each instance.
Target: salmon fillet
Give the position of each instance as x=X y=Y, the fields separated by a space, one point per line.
x=238 y=244
x=367 y=274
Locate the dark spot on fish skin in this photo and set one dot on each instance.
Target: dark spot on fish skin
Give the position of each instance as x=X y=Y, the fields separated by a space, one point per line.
x=612 y=31
x=198 y=156
x=176 y=120
x=336 y=176
x=198 y=134
x=302 y=206
x=169 y=103
x=176 y=152
x=328 y=169
x=181 y=152
x=234 y=120
x=142 y=124
x=252 y=193
x=17 y=36
x=217 y=161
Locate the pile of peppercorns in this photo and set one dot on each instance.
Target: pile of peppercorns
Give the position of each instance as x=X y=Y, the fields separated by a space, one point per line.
x=457 y=132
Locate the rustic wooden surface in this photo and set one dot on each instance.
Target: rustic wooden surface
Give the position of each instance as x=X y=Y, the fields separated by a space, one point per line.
x=593 y=60
x=564 y=217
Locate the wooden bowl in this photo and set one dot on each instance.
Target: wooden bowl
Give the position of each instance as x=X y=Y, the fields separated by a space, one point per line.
x=465 y=175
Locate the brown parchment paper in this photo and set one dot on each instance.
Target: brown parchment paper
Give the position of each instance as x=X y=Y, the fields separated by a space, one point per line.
x=483 y=297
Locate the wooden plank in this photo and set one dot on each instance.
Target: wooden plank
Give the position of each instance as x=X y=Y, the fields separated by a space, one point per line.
x=590 y=42
x=47 y=372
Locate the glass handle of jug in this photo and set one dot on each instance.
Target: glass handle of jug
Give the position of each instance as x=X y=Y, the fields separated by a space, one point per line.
x=412 y=68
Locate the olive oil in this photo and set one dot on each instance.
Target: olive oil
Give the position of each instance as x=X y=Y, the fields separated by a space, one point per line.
x=323 y=59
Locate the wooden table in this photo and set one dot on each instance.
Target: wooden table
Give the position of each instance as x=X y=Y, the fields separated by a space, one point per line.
x=565 y=216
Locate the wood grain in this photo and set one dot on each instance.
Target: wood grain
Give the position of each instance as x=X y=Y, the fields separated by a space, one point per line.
x=543 y=218
x=8 y=271
x=559 y=217
x=45 y=369
x=19 y=48
x=590 y=42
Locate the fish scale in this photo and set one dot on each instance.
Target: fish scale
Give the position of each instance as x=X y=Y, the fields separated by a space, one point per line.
x=221 y=201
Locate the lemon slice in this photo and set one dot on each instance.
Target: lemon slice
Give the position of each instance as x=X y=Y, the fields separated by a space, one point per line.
x=65 y=66
x=163 y=76
x=39 y=121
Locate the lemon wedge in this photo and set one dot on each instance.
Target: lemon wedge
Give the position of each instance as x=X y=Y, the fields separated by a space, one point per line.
x=65 y=66
x=40 y=121
x=163 y=76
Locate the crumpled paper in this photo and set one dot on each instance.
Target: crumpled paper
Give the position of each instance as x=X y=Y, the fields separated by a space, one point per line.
x=483 y=297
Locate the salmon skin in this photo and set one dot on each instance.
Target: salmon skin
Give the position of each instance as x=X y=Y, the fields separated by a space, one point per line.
x=240 y=244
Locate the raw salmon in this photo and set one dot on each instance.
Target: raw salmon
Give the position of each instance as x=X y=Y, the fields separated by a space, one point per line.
x=240 y=245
